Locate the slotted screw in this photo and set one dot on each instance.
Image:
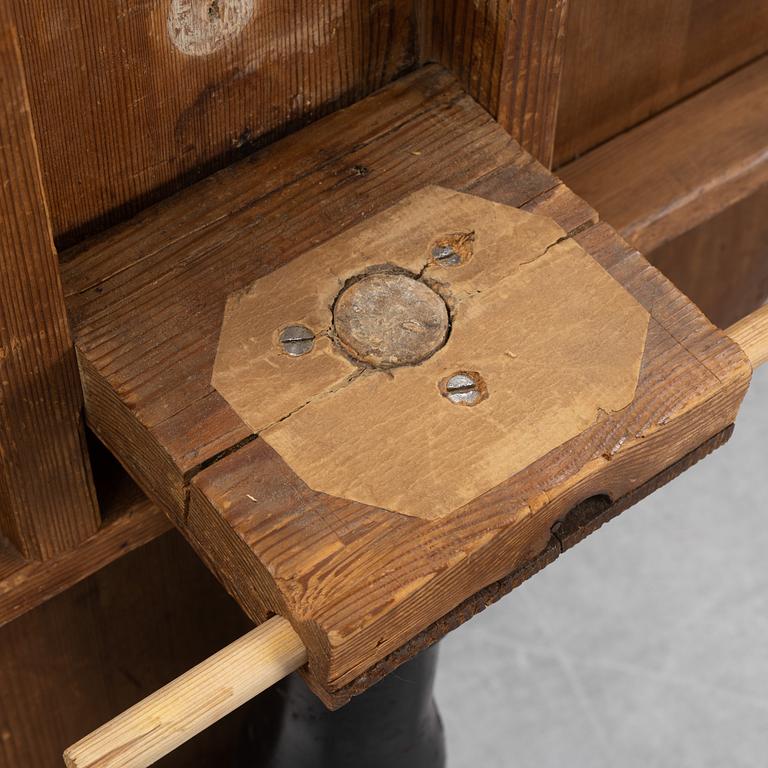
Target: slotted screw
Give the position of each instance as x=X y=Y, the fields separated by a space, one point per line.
x=446 y=255
x=297 y=340
x=463 y=389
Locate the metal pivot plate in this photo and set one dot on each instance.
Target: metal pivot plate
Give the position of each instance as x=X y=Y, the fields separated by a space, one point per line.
x=447 y=320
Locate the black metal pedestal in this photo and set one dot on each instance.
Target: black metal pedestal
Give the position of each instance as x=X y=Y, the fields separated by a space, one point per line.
x=395 y=724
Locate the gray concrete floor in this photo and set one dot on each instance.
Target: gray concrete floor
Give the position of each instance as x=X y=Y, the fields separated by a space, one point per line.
x=632 y=650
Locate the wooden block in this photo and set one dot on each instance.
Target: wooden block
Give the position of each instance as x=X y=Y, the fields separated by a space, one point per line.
x=688 y=189
x=361 y=568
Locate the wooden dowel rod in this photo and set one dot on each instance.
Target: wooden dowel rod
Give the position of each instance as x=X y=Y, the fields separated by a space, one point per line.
x=166 y=719
x=751 y=334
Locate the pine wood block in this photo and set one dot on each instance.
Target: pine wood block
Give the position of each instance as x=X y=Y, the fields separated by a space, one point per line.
x=611 y=375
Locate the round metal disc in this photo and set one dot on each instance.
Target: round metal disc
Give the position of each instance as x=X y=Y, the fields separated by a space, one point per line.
x=388 y=320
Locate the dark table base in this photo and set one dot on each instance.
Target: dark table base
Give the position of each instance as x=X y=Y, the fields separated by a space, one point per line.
x=394 y=724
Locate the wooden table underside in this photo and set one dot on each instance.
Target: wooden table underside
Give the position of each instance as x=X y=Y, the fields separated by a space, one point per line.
x=358 y=583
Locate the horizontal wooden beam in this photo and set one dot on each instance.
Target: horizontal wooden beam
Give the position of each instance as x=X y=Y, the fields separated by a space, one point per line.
x=130 y=521
x=688 y=188
x=180 y=94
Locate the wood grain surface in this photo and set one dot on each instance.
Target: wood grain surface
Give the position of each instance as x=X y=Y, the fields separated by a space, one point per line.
x=721 y=264
x=47 y=501
x=688 y=188
x=627 y=60
x=512 y=304
x=508 y=55
x=751 y=334
x=128 y=108
x=581 y=521
x=357 y=582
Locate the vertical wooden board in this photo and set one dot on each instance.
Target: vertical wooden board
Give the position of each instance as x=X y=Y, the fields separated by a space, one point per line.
x=626 y=60
x=132 y=100
x=531 y=75
x=469 y=39
x=88 y=654
x=508 y=56
x=47 y=502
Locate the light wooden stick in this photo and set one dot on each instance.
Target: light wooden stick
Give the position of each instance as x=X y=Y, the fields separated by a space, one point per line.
x=751 y=334
x=163 y=721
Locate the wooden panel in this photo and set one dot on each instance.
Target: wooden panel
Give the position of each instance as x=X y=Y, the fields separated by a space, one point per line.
x=356 y=581
x=469 y=39
x=508 y=56
x=89 y=653
x=47 y=502
x=125 y=116
x=626 y=60
x=722 y=264
x=689 y=189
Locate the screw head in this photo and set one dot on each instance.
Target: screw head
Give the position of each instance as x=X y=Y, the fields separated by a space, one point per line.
x=446 y=255
x=453 y=250
x=297 y=340
x=464 y=388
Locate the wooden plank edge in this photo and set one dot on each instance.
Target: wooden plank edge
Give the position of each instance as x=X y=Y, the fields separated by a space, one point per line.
x=727 y=186
x=24 y=585
x=582 y=520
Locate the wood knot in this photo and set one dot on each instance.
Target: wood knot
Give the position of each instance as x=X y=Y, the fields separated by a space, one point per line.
x=200 y=27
